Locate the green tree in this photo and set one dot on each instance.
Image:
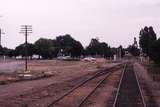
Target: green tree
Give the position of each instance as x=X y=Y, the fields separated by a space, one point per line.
x=45 y=48
x=69 y=45
x=1 y=50
x=155 y=51
x=7 y=52
x=93 y=48
x=147 y=36
x=20 y=50
x=97 y=48
x=133 y=50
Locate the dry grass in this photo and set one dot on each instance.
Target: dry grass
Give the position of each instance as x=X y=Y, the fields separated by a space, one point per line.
x=154 y=71
x=63 y=69
x=56 y=66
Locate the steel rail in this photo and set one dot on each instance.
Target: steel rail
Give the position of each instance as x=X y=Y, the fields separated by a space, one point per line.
x=141 y=94
x=114 y=104
x=79 y=85
x=97 y=86
x=140 y=89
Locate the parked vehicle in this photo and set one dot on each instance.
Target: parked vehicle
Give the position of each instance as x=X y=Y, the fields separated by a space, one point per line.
x=89 y=59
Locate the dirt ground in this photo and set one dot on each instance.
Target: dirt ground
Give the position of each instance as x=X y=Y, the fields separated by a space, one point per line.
x=64 y=76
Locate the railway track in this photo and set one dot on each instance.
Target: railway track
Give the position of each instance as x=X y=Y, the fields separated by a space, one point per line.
x=129 y=92
x=94 y=83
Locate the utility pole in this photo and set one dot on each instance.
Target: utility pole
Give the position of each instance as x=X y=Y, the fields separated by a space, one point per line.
x=1 y=36
x=26 y=29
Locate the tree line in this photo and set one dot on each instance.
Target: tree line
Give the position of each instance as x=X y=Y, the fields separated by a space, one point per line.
x=62 y=45
x=66 y=45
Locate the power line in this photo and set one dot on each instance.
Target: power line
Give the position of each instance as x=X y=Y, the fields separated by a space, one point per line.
x=26 y=30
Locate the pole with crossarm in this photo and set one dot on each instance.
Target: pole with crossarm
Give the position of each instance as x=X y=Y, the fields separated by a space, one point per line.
x=26 y=30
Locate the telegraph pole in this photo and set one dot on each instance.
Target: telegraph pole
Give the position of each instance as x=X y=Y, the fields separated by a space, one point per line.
x=26 y=29
x=1 y=36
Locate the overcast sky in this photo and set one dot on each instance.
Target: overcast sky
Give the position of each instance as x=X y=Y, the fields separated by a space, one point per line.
x=115 y=22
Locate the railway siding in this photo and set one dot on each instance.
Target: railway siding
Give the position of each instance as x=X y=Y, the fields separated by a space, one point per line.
x=88 y=87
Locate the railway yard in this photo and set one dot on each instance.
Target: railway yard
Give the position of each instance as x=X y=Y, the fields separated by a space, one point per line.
x=80 y=53
x=99 y=83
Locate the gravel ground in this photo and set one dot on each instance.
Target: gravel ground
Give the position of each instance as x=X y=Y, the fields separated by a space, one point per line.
x=103 y=96
x=151 y=89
